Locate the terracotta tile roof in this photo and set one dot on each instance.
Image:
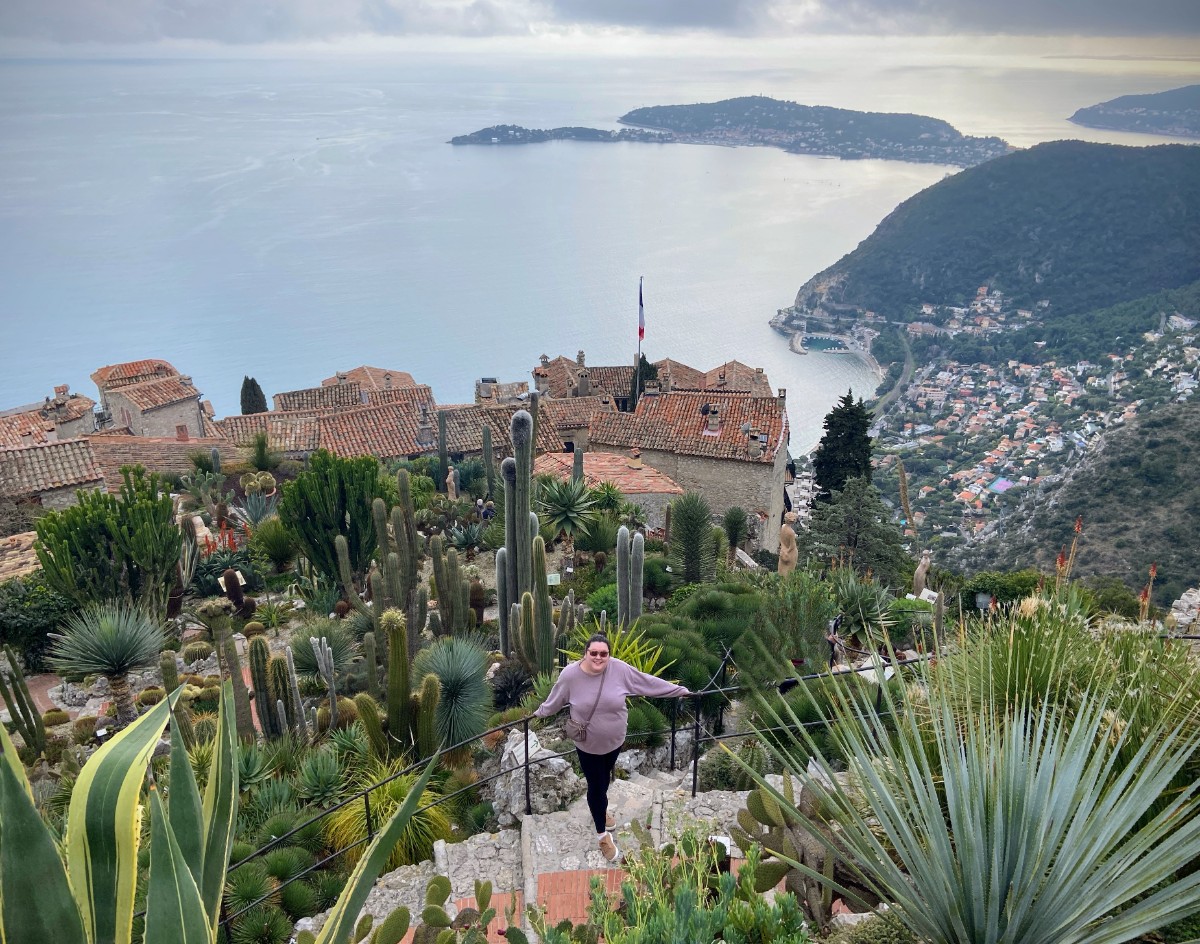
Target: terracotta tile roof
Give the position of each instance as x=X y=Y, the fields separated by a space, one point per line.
x=615 y=381
x=17 y=557
x=132 y=372
x=608 y=467
x=575 y=412
x=37 y=419
x=286 y=432
x=562 y=378
x=673 y=375
x=154 y=394
x=153 y=454
x=413 y=394
x=372 y=378
x=672 y=422
x=734 y=375
x=34 y=469
x=389 y=431
x=335 y=397
x=464 y=428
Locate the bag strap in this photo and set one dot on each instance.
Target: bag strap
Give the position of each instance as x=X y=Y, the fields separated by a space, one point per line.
x=603 y=678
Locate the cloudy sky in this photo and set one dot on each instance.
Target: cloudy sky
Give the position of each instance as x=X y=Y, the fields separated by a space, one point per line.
x=244 y=22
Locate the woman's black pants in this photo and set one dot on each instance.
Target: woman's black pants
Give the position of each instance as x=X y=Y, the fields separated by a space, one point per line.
x=597 y=771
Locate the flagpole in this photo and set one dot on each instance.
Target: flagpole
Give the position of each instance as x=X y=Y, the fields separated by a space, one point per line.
x=637 y=364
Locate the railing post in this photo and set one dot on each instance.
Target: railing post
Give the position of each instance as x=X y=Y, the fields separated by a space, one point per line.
x=720 y=727
x=528 y=799
x=367 y=810
x=695 y=745
x=674 y=724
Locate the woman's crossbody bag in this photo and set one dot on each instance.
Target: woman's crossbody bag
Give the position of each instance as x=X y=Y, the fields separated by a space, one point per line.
x=577 y=730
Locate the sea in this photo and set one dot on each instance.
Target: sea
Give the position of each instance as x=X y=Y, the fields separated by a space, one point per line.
x=286 y=215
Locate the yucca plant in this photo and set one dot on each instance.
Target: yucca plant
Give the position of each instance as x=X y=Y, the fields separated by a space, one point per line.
x=341 y=642
x=988 y=822
x=567 y=506
x=109 y=639
x=693 y=551
x=460 y=665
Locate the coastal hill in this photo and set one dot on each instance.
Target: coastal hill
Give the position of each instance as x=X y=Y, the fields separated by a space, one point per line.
x=1140 y=503
x=1079 y=225
x=818 y=129
x=766 y=122
x=1174 y=112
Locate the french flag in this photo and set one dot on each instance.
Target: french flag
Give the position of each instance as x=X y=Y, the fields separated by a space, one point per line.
x=641 y=314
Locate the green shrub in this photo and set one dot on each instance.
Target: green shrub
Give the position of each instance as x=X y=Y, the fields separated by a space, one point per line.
x=299 y=900
x=53 y=751
x=604 y=599
x=29 y=611
x=881 y=929
x=287 y=862
x=680 y=595
x=246 y=885
x=656 y=581
x=272 y=541
x=55 y=717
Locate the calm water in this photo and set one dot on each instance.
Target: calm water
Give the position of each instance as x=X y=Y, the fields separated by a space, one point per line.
x=290 y=218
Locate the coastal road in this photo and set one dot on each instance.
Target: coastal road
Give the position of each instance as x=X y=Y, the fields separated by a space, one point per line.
x=898 y=387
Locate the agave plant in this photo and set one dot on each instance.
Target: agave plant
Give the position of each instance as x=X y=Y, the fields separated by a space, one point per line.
x=984 y=822
x=109 y=639
x=255 y=508
x=865 y=607
x=566 y=505
x=607 y=497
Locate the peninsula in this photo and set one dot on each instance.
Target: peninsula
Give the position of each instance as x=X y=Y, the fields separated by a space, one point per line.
x=767 y=122
x=1175 y=112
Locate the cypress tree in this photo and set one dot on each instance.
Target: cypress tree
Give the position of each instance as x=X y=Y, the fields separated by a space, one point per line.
x=253 y=398
x=845 y=450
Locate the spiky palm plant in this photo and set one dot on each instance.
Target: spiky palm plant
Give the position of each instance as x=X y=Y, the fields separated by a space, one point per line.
x=736 y=524
x=693 y=556
x=985 y=822
x=607 y=497
x=567 y=506
x=465 y=704
x=109 y=639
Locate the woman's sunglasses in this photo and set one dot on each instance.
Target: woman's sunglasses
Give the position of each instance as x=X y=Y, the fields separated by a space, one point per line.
x=597 y=654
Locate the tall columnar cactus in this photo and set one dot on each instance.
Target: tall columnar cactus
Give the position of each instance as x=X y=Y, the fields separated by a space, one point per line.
x=566 y=616
x=399 y=688
x=443 y=456
x=577 y=466
x=294 y=688
x=21 y=708
x=545 y=649
x=280 y=683
x=631 y=563
x=371 y=664
x=427 y=705
x=241 y=696
x=521 y=429
x=368 y=714
x=264 y=703
x=667 y=528
x=450 y=586
x=526 y=620
x=325 y=667
x=535 y=402
x=169 y=670
x=215 y=455
x=502 y=601
x=489 y=461
x=622 y=576
x=637 y=570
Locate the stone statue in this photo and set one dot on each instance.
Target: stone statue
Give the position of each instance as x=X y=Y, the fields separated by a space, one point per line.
x=787 y=545
x=451 y=483
x=920 y=573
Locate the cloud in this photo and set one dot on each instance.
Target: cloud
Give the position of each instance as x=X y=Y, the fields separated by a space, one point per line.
x=261 y=21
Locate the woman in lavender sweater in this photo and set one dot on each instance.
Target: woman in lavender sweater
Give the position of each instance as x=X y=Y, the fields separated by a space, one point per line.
x=577 y=686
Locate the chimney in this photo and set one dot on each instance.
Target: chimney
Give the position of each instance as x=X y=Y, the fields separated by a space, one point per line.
x=635 y=458
x=544 y=360
x=579 y=360
x=539 y=379
x=758 y=370
x=185 y=380
x=62 y=392
x=424 y=429
x=652 y=389
x=585 y=383
x=51 y=434
x=754 y=446
x=341 y=377
x=782 y=395
x=27 y=438
x=387 y=381
x=714 y=420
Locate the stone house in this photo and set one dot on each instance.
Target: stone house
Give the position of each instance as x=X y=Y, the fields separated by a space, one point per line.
x=66 y=415
x=730 y=447
x=371 y=379
x=640 y=483
x=49 y=474
x=572 y=418
x=151 y=398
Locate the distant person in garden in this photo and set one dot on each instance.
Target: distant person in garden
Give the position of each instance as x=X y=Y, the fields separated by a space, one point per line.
x=489 y=511
x=596 y=688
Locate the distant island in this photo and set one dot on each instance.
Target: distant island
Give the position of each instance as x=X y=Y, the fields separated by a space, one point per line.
x=768 y=122
x=1175 y=112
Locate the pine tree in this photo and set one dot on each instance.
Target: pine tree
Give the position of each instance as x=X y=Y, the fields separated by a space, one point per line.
x=857 y=528
x=253 y=398
x=642 y=372
x=845 y=450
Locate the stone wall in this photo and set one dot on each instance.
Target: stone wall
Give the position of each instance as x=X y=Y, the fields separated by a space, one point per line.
x=57 y=499
x=160 y=422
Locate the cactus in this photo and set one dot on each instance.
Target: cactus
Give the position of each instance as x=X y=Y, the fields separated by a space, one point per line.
x=443 y=457
x=169 y=670
x=502 y=601
x=372 y=665
x=264 y=702
x=449 y=592
x=281 y=717
x=325 y=668
x=577 y=465
x=21 y=707
x=637 y=569
x=241 y=696
x=522 y=430
x=279 y=684
x=667 y=528
x=368 y=714
x=622 y=576
x=489 y=461
x=399 y=688
x=545 y=649
x=295 y=701
x=427 y=704
x=435 y=625
x=215 y=455
x=535 y=402
x=181 y=717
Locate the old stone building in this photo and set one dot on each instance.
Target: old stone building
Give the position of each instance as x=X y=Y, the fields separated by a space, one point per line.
x=49 y=474
x=66 y=415
x=731 y=447
x=151 y=398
